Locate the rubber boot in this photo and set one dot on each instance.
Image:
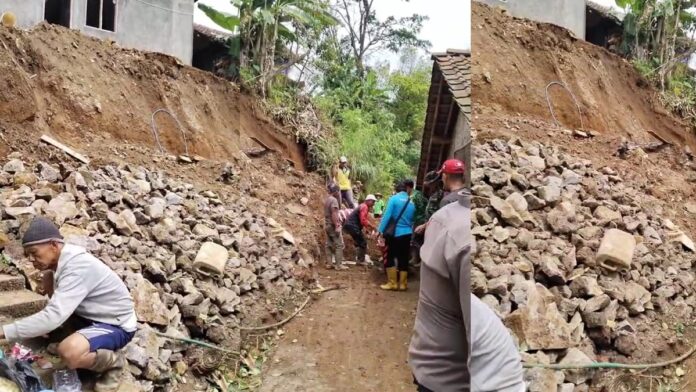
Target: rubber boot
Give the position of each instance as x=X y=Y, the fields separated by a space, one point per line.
x=110 y=365
x=403 y=280
x=391 y=280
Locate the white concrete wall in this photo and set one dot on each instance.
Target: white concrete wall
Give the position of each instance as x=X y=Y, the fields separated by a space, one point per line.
x=569 y=14
x=164 y=26
x=461 y=145
x=28 y=12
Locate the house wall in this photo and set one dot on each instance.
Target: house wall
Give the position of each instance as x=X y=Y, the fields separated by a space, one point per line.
x=460 y=147
x=569 y=14
x=164 y=26
x=28 y=12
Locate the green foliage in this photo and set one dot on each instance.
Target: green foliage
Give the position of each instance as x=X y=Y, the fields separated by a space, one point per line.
x=378 y=119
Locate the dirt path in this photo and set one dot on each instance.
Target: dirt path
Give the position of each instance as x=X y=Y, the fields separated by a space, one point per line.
x=354 y=339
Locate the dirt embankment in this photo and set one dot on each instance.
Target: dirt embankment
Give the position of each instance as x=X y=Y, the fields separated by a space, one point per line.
x=516 y=59
x=99 y=99
x=83 y=90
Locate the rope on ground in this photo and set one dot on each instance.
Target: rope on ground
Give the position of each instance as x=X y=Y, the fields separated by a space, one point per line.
x=196 y=342
x=612 y=365
x=548 y=102
x=156 y=134
x=285 y=321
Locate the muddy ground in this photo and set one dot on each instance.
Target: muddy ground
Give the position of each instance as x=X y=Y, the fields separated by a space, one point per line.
x=353 y=339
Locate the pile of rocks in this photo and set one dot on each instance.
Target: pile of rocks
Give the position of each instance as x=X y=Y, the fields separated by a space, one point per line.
x=571 y=257
x=194 y=265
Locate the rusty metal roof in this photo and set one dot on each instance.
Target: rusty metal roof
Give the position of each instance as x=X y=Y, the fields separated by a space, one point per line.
x=455 y=66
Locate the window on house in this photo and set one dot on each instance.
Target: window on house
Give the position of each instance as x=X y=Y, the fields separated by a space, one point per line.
x=102 y=14
x=57 y=12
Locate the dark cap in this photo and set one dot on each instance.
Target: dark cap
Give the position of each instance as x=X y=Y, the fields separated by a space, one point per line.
x=40 y=231
x=431 y=177
x=333 y=188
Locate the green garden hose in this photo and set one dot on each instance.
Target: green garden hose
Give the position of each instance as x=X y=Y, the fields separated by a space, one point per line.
x=611 y=365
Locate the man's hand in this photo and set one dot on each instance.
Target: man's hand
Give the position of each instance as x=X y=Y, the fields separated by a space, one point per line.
x=337 y=228
x=420 y=229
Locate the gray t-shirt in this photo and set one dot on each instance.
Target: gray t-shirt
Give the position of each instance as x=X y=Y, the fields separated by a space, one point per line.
x=330 y=204
x=439 y=349
x=451 y=197
x=459 y=343
x=495 y=363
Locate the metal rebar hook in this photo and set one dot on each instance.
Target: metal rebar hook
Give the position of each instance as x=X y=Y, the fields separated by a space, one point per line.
x=156 y=134
x=548 y=102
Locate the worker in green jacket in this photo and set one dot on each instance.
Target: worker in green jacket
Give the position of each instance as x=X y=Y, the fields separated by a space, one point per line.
x=378 y=208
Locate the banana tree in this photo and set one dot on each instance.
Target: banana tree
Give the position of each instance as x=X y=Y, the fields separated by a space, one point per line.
x=266 y=25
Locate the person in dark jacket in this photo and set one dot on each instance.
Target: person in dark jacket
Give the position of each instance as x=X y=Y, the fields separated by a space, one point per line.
x=358 y=220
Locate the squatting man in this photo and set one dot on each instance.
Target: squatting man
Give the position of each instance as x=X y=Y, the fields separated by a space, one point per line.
x=87 y=296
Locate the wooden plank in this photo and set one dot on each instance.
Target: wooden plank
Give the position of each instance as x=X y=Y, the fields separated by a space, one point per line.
x=66 y=149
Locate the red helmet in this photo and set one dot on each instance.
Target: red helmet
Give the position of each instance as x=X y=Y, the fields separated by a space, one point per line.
x=452 y=166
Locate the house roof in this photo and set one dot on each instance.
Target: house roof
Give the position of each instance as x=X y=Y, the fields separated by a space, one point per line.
x=449 y=96
x=213 y=34
x=455 y=65
x=606 y=11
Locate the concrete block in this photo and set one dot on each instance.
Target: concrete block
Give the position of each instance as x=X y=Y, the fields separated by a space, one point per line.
x=21 y=303
x=211 y=259
x=11 y=283
x=616 y=250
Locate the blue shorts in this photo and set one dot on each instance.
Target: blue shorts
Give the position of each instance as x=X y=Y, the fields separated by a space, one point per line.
x=105 y=336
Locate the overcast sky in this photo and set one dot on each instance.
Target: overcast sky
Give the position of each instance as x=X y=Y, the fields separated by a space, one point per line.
x=449 y=26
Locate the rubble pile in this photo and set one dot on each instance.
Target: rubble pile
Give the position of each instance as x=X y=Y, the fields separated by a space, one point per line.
x=571 y=257
x=195 y=266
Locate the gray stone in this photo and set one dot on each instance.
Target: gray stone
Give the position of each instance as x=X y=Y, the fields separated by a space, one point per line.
x=13 y=166
x=551 y=191
x=518 y=202
x=585 y=286
x=498 y=178
x=562 y=218
x=538 y=324
x=155 y=208
x=48 y=172
x=605 y=215
x=534 y=203
x=576 y=357
x=506 y=211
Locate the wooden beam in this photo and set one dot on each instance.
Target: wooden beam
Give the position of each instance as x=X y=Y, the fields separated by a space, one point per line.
x=449 y=118
x=432 y=128
x=66 y=149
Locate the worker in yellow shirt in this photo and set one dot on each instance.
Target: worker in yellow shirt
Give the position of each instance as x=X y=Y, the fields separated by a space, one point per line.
x=343 y=181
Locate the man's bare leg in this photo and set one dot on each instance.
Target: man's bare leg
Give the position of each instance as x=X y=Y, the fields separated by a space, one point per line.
x=74 y=350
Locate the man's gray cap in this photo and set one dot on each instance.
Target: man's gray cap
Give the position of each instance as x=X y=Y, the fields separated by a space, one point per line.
x=40 y=231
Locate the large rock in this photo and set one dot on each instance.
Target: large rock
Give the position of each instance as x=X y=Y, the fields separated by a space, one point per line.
x=576 y=357
x=538 y=325
x=616 y=250
x=551 y=191
x=635 y=298
x=14 y=166
x=507 y=212
x=125 y=222
x=605 y=215
x=562 y=218
x=585 y=286
x=62 y=208
x=155 y=209
x=148 y=305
